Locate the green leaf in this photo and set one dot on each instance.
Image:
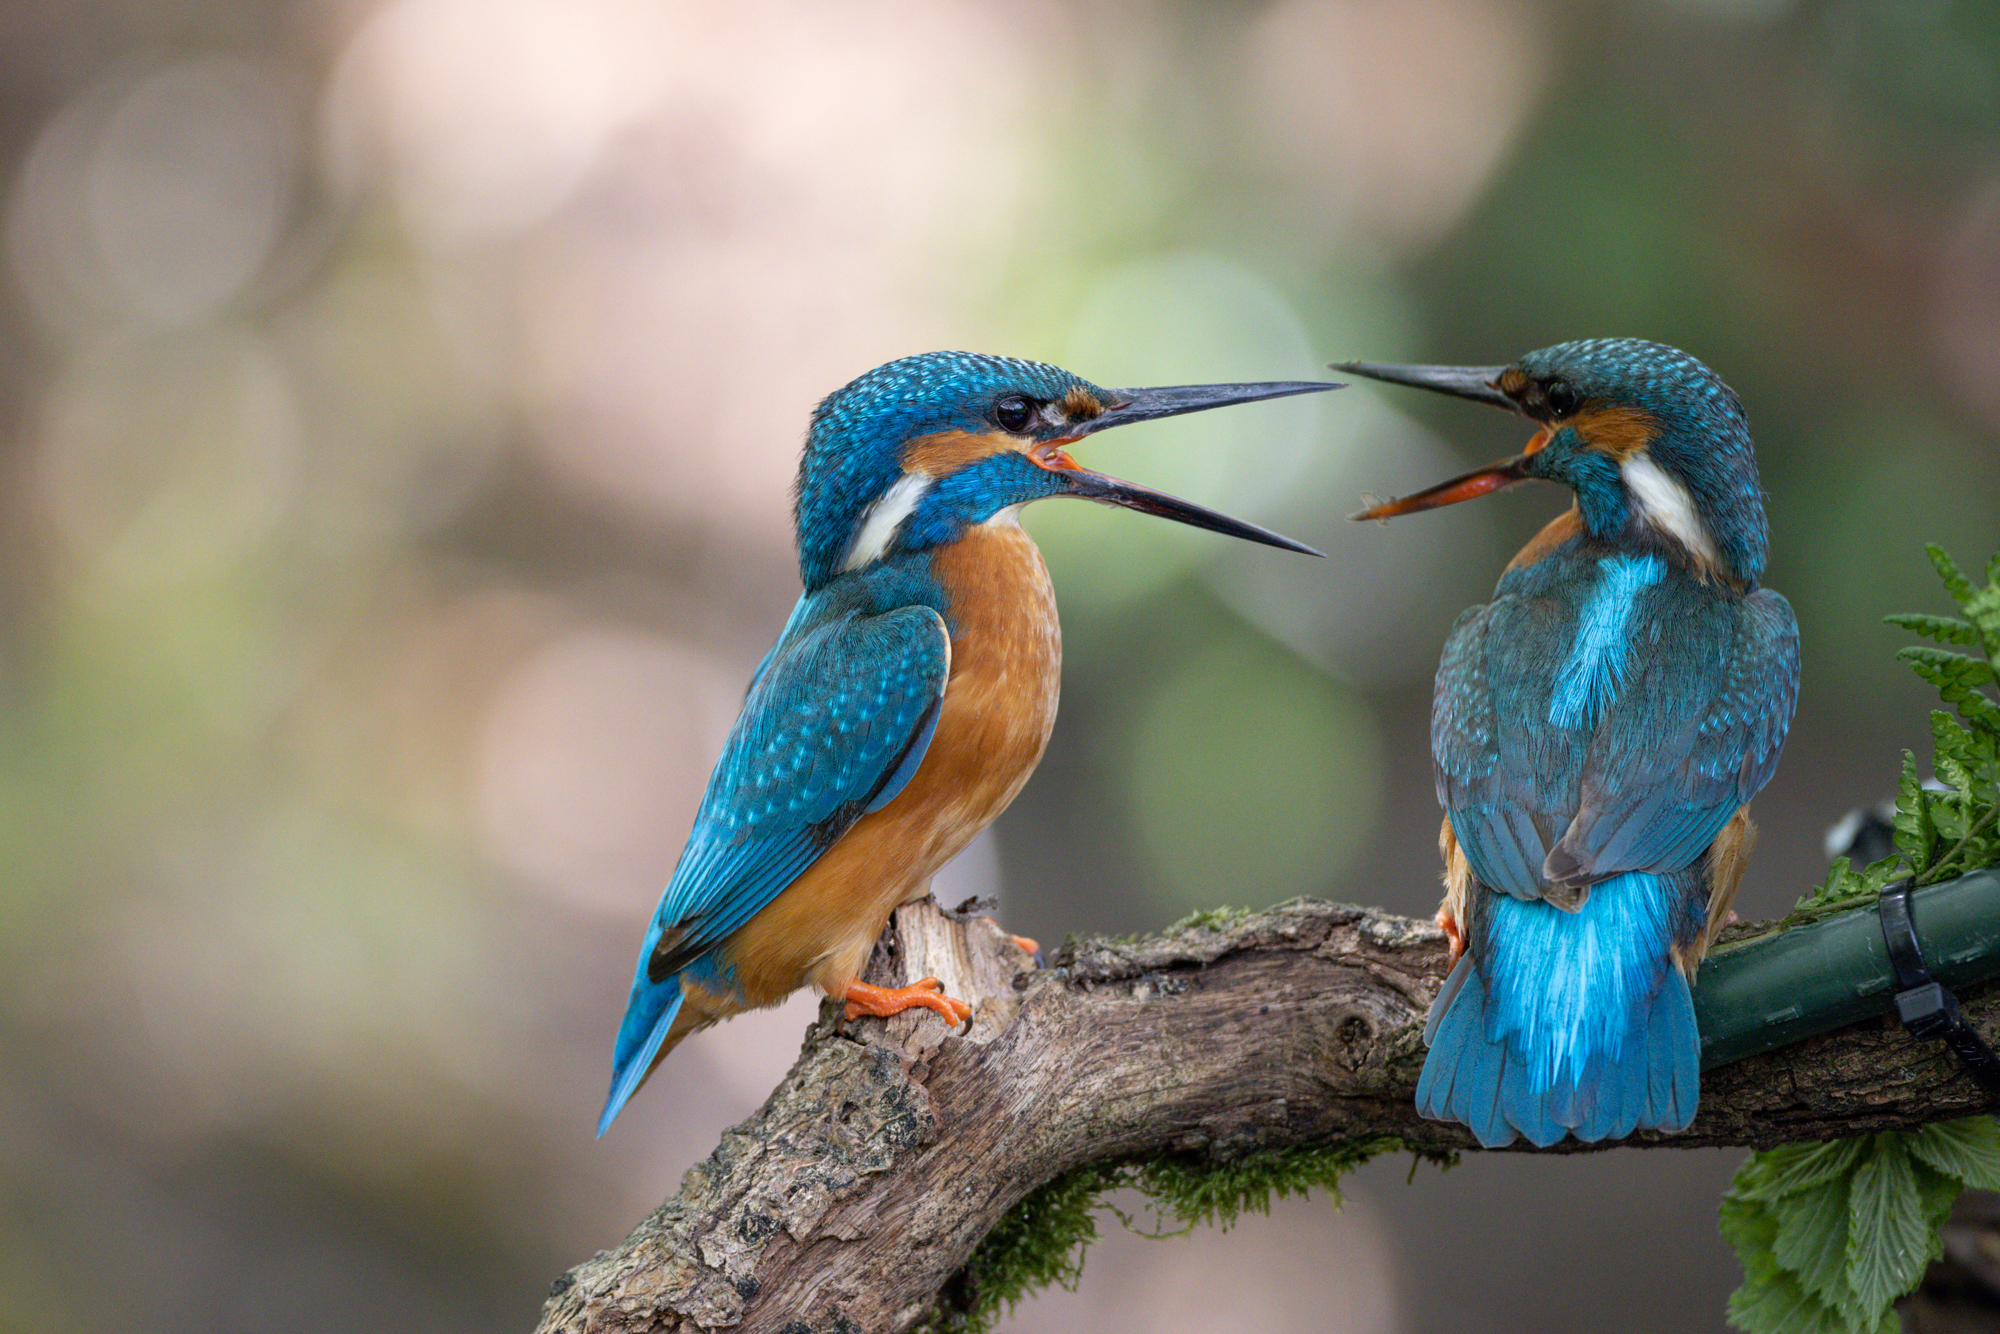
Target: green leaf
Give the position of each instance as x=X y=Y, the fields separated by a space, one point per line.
x=1915 y=834
x=1983 y=608
x=1779 y=1305
x=1888 y=1243
x=1771 y=1300
x=1751 y=1228
x=1955 y=583
x=1812 y=1238
x=1937 y=1192
x=1944 y=629
x=1954 y=674
x=1791 y=1168
x=1968 y=1151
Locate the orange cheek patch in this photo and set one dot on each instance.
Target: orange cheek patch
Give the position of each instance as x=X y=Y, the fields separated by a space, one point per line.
x=946 y=452
x=1620 y=432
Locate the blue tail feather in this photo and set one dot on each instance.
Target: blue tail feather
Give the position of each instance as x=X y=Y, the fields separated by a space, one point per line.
x=1562 y=1023
x=648 y=1018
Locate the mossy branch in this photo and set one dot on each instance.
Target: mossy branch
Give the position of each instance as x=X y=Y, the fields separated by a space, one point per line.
x=1209 y=1066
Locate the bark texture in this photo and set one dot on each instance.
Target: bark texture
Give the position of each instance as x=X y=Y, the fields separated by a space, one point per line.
x=892 y=1147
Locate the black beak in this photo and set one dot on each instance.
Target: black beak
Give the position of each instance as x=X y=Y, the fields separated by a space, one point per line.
x=1144 y=405
x=1481 y=384
x=1138 y=405
x=1478 y=383
x=1111 y=491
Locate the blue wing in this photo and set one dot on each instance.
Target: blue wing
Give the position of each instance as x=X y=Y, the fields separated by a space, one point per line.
x=837 y=720
x=1696 y=738
x=1685 y=734
x=1506 y=778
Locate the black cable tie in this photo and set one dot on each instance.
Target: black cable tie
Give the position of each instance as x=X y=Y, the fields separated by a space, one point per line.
x=1926 y=1006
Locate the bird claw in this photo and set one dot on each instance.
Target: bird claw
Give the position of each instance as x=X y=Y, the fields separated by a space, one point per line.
x=925 y=992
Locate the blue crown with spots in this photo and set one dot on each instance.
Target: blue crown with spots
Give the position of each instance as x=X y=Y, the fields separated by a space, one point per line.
x=854 y=446
x=1704 y=439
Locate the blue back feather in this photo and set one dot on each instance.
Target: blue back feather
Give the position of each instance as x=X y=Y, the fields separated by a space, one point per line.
x=1596 y=667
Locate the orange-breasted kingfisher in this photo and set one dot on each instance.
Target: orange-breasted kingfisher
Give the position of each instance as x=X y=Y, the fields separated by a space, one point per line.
x=908 y=698
x=1597 y=732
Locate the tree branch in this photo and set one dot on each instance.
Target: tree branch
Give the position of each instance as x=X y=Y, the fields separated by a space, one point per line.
x=892 y=1147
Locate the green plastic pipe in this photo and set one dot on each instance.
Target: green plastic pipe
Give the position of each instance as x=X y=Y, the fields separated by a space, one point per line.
x=1778 y=989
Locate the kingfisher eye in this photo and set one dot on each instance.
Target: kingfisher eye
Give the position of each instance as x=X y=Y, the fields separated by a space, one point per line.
x=1562 y=398
x=1013 y=412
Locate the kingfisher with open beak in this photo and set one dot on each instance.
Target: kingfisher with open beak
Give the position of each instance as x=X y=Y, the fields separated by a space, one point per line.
x=1597 y=732
x=908 y=698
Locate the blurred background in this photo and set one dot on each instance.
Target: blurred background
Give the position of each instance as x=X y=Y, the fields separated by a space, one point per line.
x=398 y=403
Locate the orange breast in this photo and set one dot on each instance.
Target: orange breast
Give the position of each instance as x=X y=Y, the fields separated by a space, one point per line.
x=1556 y=532
x=999 y=706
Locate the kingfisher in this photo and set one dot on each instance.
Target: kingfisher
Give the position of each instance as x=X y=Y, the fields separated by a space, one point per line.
x=907 y=699
x=1597 y=732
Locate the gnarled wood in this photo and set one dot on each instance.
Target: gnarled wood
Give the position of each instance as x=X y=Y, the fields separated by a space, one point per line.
x=892 y=1147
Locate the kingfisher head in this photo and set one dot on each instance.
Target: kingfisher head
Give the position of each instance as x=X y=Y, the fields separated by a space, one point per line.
x=1655 y=445
x=915 y=452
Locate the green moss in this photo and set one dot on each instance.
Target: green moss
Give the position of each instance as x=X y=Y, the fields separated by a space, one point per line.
x=1043 y=1238
x=1211 y=919
x=1197 y=1191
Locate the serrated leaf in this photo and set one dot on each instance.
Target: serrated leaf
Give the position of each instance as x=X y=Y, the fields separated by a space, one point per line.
x=1980 y=711
x=1944 y=629
x=1778 y=1304
x=1914 y=831
x=1983 y=608
x=1968 y=1151
x=1936 y=1194
x=1955 y=583
x=1840 y=883
x=1956 y=676
x=1751 y=1228
x=1879 y=874
x=1888 y=1244
x=1811 y=1239
x=1789 y=1168
x=1951 y=771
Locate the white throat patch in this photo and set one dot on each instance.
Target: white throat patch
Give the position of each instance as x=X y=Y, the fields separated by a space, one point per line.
x=1666 y=505
x=884 y=518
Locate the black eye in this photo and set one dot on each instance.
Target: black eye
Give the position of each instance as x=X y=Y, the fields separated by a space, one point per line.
x=1013 y=413
x=1561 y=397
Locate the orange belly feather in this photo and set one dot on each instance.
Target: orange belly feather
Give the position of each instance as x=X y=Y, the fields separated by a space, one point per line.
x=999 y=707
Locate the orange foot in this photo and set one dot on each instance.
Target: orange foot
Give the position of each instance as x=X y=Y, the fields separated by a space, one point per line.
x=1021 y=943
x=882 y=1002
x=1449 y=925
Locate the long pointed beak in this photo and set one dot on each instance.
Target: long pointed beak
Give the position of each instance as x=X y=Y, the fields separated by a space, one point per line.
x=1478 y=383
x=1111 y=491
x=1138 y=405
x=1481 y=384
x=1143 y=405
x=1483 y=482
